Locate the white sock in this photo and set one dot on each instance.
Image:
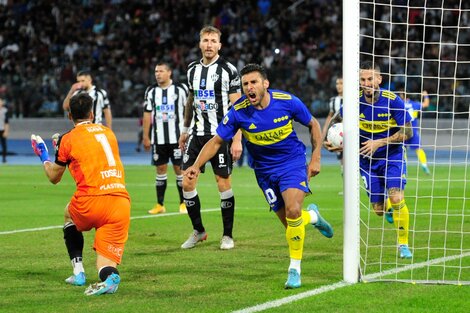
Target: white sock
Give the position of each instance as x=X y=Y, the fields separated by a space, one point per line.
x=313 y=217
x=295 y=264
x=77 y=266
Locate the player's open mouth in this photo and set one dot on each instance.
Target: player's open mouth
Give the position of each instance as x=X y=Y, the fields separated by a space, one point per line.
x=252 y=96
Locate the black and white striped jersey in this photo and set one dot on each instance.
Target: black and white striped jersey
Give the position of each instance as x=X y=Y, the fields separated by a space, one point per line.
x=335 y=103
x=100 y=102
x=211 y=86
x=167 y=107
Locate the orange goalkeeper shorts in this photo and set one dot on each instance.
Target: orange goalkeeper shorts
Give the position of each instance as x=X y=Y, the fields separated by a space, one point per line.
x=110 y=215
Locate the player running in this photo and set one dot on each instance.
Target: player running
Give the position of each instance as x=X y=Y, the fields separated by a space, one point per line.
x=277 y=156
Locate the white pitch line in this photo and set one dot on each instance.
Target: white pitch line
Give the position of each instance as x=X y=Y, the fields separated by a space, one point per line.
x=9 y=232
x=326 y=288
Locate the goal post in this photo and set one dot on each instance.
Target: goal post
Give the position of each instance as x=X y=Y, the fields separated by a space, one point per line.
x=420 y=45
x=351 y=246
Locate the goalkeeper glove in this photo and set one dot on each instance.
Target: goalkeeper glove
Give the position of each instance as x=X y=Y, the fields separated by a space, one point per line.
x=55 y=140
x=40 y=148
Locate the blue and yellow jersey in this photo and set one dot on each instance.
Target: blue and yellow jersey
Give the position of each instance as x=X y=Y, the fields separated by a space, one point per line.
x=414 y=109
x=270 y=137
x=382 y=119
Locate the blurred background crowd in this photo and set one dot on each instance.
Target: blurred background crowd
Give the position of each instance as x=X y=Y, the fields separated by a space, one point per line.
x=44 y=43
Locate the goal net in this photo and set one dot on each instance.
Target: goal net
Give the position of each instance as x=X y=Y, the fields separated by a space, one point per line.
x=423 y=45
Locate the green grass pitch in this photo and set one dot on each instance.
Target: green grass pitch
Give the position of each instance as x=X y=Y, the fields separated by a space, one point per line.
x=158 y=276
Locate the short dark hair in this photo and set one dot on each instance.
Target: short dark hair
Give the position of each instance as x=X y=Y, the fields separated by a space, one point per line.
x=164 y=63
x=252 y=67
x=368 y=65
x=84 y=73
x=80 y=106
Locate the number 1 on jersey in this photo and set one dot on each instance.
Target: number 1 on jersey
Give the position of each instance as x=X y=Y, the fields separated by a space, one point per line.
x=107 y=148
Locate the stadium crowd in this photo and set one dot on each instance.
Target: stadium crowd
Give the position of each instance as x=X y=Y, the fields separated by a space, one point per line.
x=43 y=44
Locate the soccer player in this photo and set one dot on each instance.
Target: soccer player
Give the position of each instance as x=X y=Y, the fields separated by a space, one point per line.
x=164 y=105
x=214 y=86
x=4 y=129
x=335 y=105
x=384 y=126
x=101 y=104
x=277 y=156
x=100 y=201
x=414 y=143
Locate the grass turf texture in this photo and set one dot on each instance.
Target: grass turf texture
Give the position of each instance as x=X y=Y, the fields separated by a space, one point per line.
x=158 y=276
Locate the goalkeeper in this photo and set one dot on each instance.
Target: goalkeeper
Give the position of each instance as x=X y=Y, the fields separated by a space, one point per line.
x=100 y=201
x=384 y=125
x=276 y=154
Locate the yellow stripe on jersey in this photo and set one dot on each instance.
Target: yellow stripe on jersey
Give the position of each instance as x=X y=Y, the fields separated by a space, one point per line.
x=242 y=104
x=389 y=95
x=377 y=126
x=269 y=137
x=281 y=95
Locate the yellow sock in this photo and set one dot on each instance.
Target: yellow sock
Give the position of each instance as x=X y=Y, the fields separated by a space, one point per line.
x=401 y=219
x=421 y=156
x=305 y=217
x=295 y=235
x=388 y=206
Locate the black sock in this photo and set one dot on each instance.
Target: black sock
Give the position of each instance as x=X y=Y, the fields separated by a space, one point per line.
x=193 y=206
x=160 y=186
x=106 y=271
x=227 y=206
x=179 y=186
x=73 y=241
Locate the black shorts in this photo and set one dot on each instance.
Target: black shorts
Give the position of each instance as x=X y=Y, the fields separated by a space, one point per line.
x=222 y=164
x=161 y=154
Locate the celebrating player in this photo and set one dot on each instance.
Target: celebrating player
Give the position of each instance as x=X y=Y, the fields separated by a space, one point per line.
x=214 y=86
x=384 y=126
x=414 y=143
x=101 y=104
x=276 y=154
x=165 y=103
x=100 y=201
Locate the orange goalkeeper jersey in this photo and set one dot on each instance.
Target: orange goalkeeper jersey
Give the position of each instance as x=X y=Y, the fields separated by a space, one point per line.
x=92 y=154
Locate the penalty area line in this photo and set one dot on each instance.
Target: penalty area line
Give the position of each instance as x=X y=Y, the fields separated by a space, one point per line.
x=26 y=230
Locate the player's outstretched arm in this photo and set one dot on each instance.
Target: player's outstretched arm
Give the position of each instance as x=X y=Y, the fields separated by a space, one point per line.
x=53 y=171
x=207 y=152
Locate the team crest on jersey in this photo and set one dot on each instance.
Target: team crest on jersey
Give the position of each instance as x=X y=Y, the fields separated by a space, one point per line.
x=235 y=82
x=225 y=119
x=203 y=83
x=215 y=77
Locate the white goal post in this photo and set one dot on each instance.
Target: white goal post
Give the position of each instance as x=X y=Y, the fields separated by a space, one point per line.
x=421 y=46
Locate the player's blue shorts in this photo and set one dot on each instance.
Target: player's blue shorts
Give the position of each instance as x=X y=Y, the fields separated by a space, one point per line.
x=380 y=175
x=414 y=142
x=275 y=182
